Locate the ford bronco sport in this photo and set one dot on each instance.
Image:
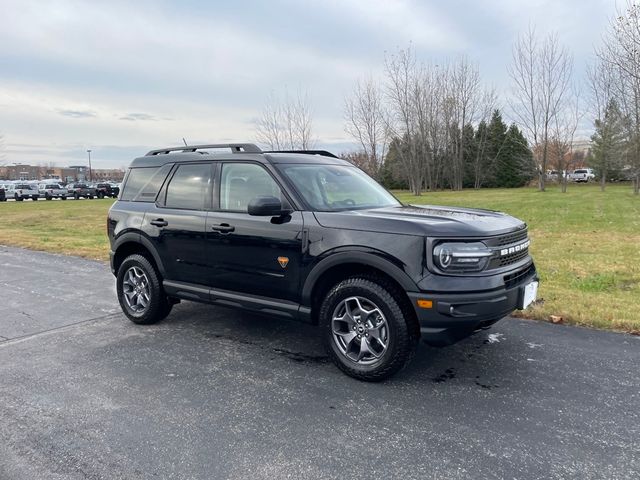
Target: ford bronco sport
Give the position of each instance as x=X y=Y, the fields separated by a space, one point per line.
x=308 y=236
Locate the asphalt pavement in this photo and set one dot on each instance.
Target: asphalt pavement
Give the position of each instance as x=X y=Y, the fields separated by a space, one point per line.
x=213 y=393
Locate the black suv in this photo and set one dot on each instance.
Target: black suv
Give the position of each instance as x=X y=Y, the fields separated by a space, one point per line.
x=106 y=190
x=308 y=236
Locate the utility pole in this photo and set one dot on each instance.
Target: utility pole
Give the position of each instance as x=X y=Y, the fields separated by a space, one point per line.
x=89 y=152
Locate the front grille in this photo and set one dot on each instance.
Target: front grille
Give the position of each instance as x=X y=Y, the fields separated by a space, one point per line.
x=505 y=242
x=514 y=279
x=513 y=257
x=510 y=238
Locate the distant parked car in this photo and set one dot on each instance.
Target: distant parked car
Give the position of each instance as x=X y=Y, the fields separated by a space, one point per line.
x=51 y=190
x=83 y=190
x=106 y=190
x=582 y=175
x=22 y=191
x=555 y=175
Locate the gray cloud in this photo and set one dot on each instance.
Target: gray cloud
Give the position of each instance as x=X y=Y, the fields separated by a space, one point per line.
x=134 y=117
x=77 y=113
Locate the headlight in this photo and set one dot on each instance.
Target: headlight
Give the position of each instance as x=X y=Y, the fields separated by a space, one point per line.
x=461 y=257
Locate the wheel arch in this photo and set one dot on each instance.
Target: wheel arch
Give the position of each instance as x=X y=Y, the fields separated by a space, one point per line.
x=131 y=243
x=342 y=265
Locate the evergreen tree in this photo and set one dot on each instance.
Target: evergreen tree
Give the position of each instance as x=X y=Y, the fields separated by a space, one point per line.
x=391 y=173
x=516 y=162
x=469 y=155
x=495 y=151
x=608 y=141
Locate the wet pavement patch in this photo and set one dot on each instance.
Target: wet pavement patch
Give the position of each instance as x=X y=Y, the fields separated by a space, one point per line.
x=448 y=374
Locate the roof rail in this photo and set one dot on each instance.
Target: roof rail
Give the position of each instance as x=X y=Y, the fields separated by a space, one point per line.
x=235 y=148
x=324 y=153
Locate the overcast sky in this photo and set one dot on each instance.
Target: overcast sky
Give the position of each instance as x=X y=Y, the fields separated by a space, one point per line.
x=124 y=77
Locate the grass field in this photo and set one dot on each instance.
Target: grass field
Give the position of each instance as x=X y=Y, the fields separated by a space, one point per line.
x=586 y=243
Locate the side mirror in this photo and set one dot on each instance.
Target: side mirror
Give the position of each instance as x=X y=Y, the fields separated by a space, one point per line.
x=265 y=206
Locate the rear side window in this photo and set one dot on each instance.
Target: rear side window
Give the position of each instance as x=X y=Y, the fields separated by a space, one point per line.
x=189 y=186
x=143 y=184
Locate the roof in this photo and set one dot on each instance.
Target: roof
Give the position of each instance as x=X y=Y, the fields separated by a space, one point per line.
x=235 y=152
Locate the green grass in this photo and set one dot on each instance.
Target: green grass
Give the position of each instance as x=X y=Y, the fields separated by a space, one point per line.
x=72 y=227
x=586 y=243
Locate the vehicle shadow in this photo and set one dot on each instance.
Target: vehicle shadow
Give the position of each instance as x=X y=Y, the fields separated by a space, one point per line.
x=486 y=361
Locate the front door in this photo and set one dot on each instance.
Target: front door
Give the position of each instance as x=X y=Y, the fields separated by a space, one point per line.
x=255 y=255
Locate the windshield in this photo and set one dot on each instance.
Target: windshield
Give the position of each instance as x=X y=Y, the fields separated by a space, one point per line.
x=332 y=188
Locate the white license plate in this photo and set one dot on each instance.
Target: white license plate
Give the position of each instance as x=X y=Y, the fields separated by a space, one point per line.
x=529 y=294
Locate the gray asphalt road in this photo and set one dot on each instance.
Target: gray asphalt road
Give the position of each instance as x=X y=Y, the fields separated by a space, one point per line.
x=213 y=393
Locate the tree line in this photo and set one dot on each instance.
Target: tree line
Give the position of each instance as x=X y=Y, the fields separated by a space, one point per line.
x=426 y=126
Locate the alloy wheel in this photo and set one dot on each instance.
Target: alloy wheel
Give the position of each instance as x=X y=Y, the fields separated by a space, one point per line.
x=360 y=330
x=136 y=291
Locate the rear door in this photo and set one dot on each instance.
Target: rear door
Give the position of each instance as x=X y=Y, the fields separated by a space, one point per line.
x=256 y=255
x=176 y=222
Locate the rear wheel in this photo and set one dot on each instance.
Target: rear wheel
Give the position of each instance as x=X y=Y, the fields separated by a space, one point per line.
x=367 y=328
x=63 y=198
x=140 y=291
x=47 y=197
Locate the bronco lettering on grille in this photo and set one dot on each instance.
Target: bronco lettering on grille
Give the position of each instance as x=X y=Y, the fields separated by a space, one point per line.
x=515 y=248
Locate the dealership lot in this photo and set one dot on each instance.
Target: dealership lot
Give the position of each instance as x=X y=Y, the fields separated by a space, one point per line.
x=213 y=393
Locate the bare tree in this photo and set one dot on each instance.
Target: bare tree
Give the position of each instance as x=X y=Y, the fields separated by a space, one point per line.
x=488 y=104
x=621 y=51
x=403 y=91
x=366 y=123
x=541 y=73
x=3 y=159
x=603 y=82
x=563 y=133
x=286 y=124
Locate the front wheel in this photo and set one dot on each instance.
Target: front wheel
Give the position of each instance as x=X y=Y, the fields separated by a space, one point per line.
x=140 y=291
x=367 y=328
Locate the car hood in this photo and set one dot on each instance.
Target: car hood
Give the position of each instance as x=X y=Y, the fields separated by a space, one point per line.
x=426 y=220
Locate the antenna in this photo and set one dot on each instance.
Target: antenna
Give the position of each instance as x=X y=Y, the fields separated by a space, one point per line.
x=185 y=142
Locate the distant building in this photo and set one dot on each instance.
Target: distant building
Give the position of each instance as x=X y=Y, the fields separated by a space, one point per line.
x=22 y=172
x=104 y=174
x=74 y=173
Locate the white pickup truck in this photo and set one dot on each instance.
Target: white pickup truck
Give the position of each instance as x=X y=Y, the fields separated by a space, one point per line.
x=51 y=190
x=582 y=175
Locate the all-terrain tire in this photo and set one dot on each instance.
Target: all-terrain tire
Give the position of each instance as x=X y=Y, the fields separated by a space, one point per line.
x=158 y=306
x=402 y=336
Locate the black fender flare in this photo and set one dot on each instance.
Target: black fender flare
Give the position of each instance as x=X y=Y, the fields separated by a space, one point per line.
x=136 y=237
x=356 y=256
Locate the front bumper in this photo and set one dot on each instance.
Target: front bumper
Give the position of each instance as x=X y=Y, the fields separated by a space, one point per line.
x=454 y=316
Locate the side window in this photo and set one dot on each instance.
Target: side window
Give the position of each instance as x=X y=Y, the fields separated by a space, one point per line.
x=143 y=184
x=241 y=182
x=189 y=186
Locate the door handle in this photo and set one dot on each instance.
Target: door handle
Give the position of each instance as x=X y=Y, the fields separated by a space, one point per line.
x=159 y=222
x=223 y=228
